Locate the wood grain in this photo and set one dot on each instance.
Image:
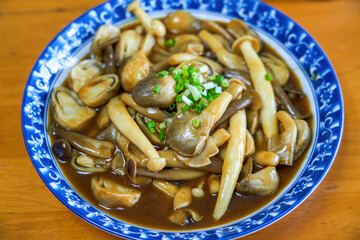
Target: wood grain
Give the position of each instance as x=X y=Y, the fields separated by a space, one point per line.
x=28 y=210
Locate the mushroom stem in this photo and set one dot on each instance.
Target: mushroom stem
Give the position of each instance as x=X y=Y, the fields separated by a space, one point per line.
x=152 y=113
x=257 y=72
x=230 y=60
x=128 y=127
x=233 y=161
x=171 y=174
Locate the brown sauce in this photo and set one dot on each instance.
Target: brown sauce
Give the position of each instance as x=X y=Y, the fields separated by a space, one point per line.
x=154 y=207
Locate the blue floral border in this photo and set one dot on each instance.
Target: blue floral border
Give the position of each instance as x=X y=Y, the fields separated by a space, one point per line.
x=58 y=55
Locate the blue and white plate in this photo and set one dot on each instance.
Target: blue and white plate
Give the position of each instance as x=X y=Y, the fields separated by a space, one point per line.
x=293 y=43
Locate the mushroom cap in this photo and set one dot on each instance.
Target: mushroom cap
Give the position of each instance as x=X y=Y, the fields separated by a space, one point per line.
x=130 y=41
x=103 y=34
x=69 y=111
x=277 y=67
x=144 y=95
x=112 y=195
x=254 y=42
x=303 y=137
x=180 y=22
x=100 y=90
x=263 y=182
x=133 y=71
x=83 y=72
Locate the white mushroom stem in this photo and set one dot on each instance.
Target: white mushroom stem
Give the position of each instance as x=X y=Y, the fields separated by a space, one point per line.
x=178 y=58
x=155 y=27
x=147 y=44
x=233 y=161
x=263 y=87
x=128 y=127
x=229 y=59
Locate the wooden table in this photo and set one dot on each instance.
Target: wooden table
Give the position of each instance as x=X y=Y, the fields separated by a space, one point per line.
x=28 y=210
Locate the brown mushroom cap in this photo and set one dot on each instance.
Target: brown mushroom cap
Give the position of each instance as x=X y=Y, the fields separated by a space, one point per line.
x=180 y=22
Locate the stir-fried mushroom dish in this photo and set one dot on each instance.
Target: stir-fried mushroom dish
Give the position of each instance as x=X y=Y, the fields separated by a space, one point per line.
x=179 y=119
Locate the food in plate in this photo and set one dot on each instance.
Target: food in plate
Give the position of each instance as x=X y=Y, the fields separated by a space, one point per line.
x=179 y=123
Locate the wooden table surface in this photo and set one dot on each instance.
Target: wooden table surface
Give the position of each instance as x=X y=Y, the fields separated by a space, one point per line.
x=28 y=210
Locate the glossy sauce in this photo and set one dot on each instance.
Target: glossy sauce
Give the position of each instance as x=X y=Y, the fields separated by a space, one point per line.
x=154 y=207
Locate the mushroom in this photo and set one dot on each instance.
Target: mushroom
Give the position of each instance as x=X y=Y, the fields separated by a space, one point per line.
x=186 y=139
x=249 y=98
x=286 y=103
x=134 y=70
x=148 y=44
x=182 y=197
x=220 y=137
x=69 y=111
x=104 y=34
x=265 y=158
x=62 y=149
x=263 y=182
x=239 y=28
x=171 y=174
x=154 y=27
x=214 y=183
x=133 y=176
x=215 y=28
x=144 y=95
x=128 y=127
x=203 y=157
x=88 y=145
x=233 y=161
x=247 y=168
x=111 y=194
x=152 y=113
x=84 y=163
x=252 y=119
x=228 y=59
x=159 y=54
x=108 y=134
x=180 y=22
x=303 y=137
x=109 y=59
x=153 y=137
x=100 y=90
x=179 y=58
x=184 y=216
x=283 y=144
x=130 y=42
x=250 y=145
x=83 y=72
x=248 y=46
x=166 y=187
x=102 y=118
x=118 y=164
x=277 y=67
x=243 y=76
x=188 y=43
x=235 y=88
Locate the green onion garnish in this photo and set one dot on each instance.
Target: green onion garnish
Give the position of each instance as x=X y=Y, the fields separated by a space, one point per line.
x=173 y=113
x=196 y=123
x=212 y=78
x=151 y=124
x=198 y=111
x=162 y=74
x=177 y=77
x=152 y=130
x=219 y=78
x=185 y=68
x=268 y=77
x=161 y=135
x=179 y=86
x=157 y=89
x=171 y=69
x=224 y=83
x=170 y=42
x=179 y=98
x=185 y=108
x=162 y=125
x=172 y=106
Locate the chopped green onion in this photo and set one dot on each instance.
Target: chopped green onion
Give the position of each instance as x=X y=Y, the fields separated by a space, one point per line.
x=179 y=98
x=185 y=71
x=196 y=123
x=162 y=74
x=161 y=135
x=195 y=75
x=152 y=130
x=268 y=77
x=186 y=100
x=199 y=108
x=173 y=113
x=186 y=82
x=177 y=77
x=212 y=78
x=194 y=92
x=150 y=124
x=170 y=42
x=219 y=78
x=187 y=92
x=192 y=105
x=179 y=86
x=172 y=106
x=224 y=83
x=209 y=85
x=171 y=69
x=162 y=125
x=157 y=89
x=218 y=90
x=184 y=108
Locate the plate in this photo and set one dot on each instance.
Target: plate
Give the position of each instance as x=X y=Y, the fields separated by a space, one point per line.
x=292 y=42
